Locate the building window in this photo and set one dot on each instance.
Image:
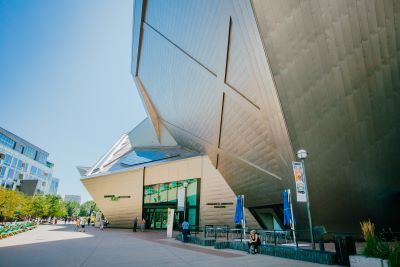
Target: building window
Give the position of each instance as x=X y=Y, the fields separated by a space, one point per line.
x=33 y=170
x=159 y=197
x=19 y=164
x=16 y=174
x=7 y=160
x=7 y=141
x=3 y=171
x=42 y=158
x=40 y=173
x=14 y=162
x=30 y=152
x=19 y=148
x=10 y=173
x=25 y=166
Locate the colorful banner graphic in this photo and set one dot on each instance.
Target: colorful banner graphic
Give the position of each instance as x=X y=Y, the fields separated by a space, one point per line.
x=298 y=171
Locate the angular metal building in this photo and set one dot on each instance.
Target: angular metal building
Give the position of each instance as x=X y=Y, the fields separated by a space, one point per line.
x=249 y=82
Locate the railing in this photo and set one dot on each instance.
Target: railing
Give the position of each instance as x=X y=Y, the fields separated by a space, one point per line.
x=271 y=237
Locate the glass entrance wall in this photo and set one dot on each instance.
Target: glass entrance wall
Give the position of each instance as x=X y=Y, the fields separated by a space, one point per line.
x=159 y=197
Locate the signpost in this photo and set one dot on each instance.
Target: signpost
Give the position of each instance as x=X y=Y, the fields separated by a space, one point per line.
x=302 y=188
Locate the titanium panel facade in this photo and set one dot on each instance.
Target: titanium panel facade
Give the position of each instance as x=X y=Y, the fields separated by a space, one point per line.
x=250 y=82
x=337 y=63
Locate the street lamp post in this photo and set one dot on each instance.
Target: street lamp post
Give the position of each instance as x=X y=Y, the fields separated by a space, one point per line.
x=302 y=154
x=185 y=185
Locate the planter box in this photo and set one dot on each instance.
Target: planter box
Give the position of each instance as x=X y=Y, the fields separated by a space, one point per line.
x=309 y=255
x=362 y=261
x=197 y=240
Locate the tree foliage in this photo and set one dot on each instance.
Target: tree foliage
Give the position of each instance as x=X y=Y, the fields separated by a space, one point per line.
x=39 y=206
x=14 y=205
x=56 y=206
x=11 y=203
x=73 y=208
x=88 y=208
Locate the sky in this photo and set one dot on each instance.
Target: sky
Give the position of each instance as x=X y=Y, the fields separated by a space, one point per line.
x=65 y=81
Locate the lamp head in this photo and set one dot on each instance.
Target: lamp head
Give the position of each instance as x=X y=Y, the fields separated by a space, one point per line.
x=185 y=184
x=302 y=154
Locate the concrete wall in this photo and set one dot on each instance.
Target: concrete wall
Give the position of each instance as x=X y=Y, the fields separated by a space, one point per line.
x=173 y=171
x=213 y=188
x=121 y=212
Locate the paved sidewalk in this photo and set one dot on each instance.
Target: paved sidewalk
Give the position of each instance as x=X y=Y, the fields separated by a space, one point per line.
x=51 y=245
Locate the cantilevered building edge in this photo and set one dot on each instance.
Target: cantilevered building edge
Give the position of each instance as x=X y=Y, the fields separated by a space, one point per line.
x=141 y=175
x=250 y=82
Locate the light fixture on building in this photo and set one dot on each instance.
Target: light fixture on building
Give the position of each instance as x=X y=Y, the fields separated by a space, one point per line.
x=302 y=154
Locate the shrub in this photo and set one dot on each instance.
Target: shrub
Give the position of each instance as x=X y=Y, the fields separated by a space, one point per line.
x=377 y=247
x=374 y=247
x=394 y=257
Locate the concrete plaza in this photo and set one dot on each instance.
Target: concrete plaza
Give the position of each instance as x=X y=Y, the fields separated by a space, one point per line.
x=59 y=245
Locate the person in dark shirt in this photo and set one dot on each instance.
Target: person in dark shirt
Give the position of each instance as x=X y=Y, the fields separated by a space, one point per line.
x=254 y=242
x=135 y=222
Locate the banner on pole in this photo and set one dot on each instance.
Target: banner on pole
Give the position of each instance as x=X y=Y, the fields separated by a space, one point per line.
x=181 y=199
x=298 y=171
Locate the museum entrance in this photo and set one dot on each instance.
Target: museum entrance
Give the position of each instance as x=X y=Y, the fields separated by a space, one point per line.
x=158 y=198
x=157 y=218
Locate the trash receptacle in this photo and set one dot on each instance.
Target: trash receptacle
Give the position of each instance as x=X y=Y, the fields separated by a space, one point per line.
x=345 y=246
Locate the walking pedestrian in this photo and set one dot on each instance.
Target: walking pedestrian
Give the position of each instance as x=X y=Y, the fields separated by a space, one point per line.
x=101 y=224
x=185 y=230
x=135 y=221
x=83 y=224
x=143 y=225
x=77 y=225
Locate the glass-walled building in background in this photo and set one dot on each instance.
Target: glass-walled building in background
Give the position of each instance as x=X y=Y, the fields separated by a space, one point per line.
x=24 y=166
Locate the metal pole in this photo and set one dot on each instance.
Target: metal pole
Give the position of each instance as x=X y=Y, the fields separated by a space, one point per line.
x=244 y=218
x=292 y=221
x=308 y=206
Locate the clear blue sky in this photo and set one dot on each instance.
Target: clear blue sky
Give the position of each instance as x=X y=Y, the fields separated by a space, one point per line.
x=65 y=82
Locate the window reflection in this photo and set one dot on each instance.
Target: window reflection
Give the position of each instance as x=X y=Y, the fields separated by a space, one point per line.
x=159 y=197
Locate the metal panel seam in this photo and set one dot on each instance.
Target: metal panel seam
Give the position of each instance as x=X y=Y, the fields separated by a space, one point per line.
x=272 y=77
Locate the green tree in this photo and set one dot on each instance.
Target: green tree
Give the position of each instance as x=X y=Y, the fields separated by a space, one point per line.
x=56 y=206
x=10 y=203
x=73 y=208
x=39 y=207
x=88 y=208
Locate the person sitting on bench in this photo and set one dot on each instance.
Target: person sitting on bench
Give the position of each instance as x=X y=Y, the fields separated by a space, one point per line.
x=254 y=242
